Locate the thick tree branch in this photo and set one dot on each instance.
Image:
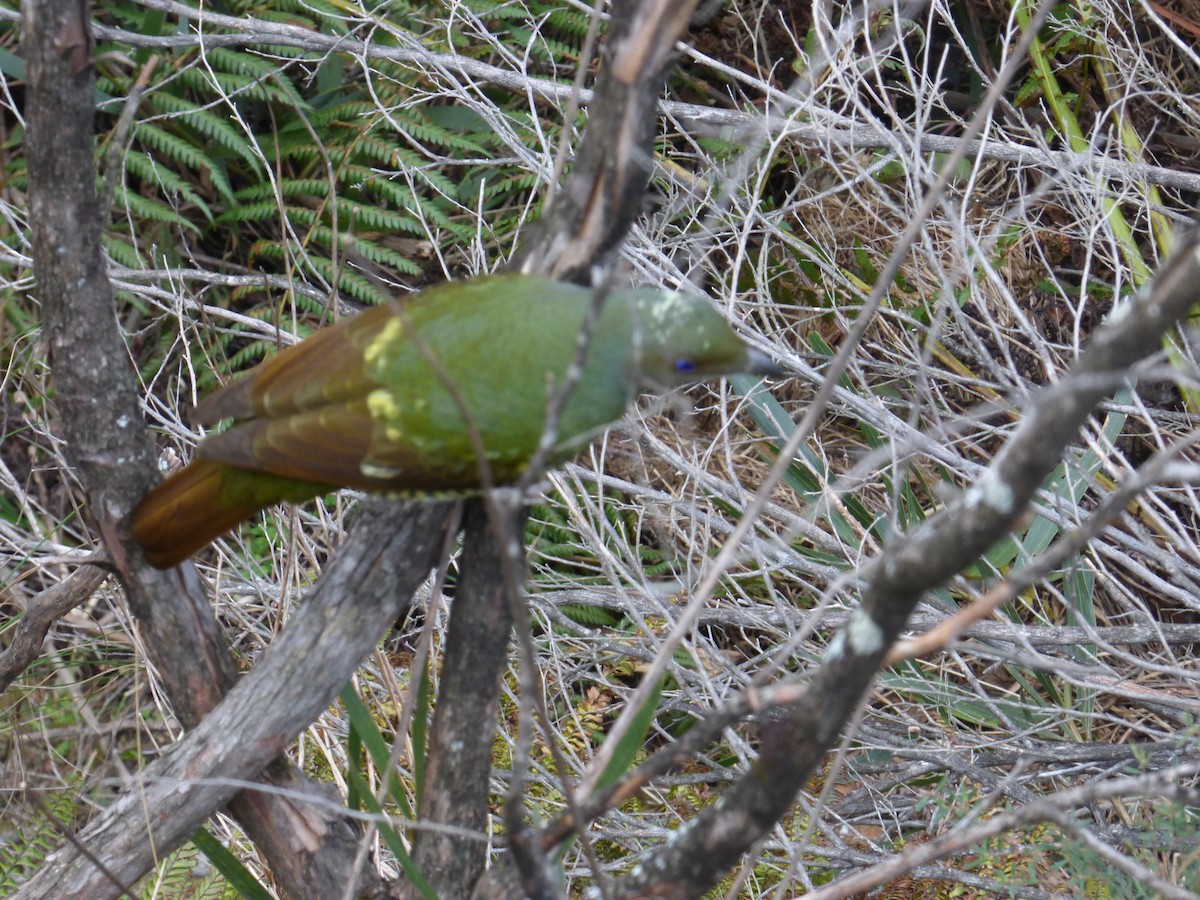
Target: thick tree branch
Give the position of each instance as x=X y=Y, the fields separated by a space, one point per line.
x=594 y=211
x=576 y=239
x=459 y=767
x=98 y=405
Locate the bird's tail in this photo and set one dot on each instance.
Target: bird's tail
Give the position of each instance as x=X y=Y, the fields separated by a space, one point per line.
x=189 y=510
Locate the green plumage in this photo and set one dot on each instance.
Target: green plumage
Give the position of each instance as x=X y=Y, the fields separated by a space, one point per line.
x=382 y=402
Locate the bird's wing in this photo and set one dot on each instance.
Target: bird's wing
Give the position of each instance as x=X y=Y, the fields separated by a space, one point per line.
x=326 y=445
x=326 y=368
x=343 y=445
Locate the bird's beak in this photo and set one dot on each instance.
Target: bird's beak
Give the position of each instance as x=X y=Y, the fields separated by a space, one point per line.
x=758 y=363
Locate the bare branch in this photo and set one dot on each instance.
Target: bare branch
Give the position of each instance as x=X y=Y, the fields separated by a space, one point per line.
x=388 y=555
x=46 y=609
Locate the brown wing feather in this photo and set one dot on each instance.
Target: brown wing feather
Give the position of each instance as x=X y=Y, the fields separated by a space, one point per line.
x=336 y=445
x=298 y=446
x=325 y=368
x=230 y=402
x=327 y=445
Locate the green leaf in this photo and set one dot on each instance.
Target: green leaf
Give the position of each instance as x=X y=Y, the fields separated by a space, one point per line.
x=364 y=730
x=420 y=732
x=364 y=727
x=239 y=877
x=630 y=744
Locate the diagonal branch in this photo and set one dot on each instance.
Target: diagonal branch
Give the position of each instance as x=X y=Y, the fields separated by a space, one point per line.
x=389 y=553
x=796 y=736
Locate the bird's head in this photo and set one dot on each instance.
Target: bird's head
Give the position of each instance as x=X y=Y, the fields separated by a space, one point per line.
x=682 y=339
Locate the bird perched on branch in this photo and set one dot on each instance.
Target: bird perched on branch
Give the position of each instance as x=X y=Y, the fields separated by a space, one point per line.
x=439 y=393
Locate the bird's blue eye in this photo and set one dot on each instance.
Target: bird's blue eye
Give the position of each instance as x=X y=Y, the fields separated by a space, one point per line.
x=684 y=365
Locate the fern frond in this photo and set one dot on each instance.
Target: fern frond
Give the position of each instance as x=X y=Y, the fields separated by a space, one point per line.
x=505 y=186
x=174 y=148
x=287 y=187
x=276 y=85
x=340 y=113
x=427 y=132
x=239 y=86
x=267 y=210
x=149 y=170
x=121 y=251
x=154 y=210
x=209 y=124
x=250 y=355
x=353 y=214
x=372 y=251
x=572 y=21
x=349 y=283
